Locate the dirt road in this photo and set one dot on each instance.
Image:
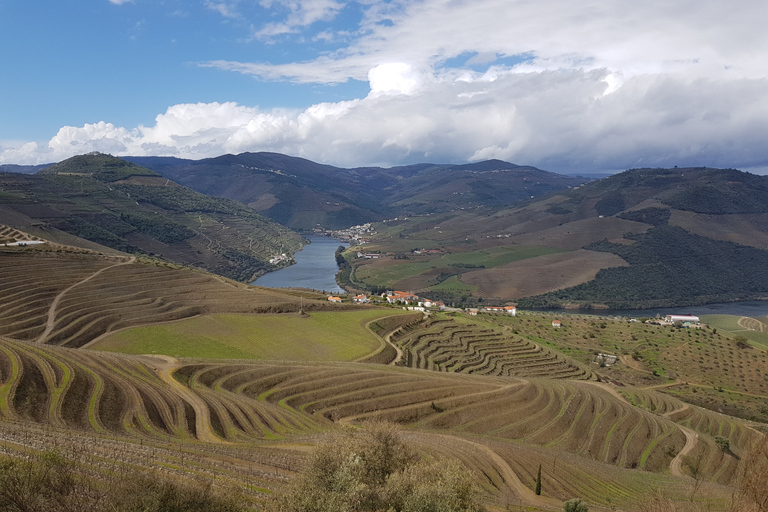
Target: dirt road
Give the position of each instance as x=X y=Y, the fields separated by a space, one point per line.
x=55 y=304
x=164 y=367
x=691 y=439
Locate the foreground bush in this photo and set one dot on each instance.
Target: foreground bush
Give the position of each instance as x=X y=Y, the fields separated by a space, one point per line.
x=50 y=483
x=371 y=469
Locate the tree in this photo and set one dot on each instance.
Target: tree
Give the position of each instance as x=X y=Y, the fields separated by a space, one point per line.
x=371 y=469
x=753 y=486
x=723 y=443
x=575 y=505
x=538 y=482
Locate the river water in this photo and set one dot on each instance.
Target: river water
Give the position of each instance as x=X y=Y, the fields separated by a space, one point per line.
x=315 y=268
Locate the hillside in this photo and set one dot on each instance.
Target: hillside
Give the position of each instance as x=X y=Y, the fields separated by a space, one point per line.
x=303 y=195
x=502 y=395
x=642 y=238
x=116 y=205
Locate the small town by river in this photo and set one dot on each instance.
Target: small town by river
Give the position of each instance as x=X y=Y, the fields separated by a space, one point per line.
x=315 y=268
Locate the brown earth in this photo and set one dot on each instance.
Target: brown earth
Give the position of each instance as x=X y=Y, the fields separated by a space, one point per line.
x=539 y=275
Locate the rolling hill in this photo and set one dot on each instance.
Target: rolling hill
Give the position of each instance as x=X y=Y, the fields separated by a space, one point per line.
x=641 y=238
x=109 y=204
x=302 y=194
x=502 y=395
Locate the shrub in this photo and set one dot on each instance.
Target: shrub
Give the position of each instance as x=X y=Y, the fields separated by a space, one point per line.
x=575 y=505
x=371 y=469
x=51 y=483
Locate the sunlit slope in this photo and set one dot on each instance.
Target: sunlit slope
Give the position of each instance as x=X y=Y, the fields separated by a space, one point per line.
x=630 y=237
x=71 y=299
x=320 y=336
x=464 y=347
x=214 y=402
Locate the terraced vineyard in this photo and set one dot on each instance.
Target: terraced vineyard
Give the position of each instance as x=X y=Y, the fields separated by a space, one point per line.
x=445 y=345
x=489 y=392
x=498 y=426
x=72 y=299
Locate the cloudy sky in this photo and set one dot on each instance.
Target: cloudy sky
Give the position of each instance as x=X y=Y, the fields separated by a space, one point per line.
x=594 y=85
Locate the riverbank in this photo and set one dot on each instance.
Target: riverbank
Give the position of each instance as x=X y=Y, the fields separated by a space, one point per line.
x=315 y=268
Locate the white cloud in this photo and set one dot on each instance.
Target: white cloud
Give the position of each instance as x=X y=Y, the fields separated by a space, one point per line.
x=300 y=14
x=558 y=120
x=120 y=2
x=608 y=85
x=228 y=9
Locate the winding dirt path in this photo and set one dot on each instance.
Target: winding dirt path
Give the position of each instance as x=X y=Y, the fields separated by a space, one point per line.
x=55 y=304
x=399 y=357
x=510 y=477
x=164 y=369
x=691 y=439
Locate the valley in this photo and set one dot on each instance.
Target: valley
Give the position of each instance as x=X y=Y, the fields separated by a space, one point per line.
x=122 y=361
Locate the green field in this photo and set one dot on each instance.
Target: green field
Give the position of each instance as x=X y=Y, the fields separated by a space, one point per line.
x=728 y=324
x=338 y=336
x=454 y=285
x=496 y=256
x=390 y=275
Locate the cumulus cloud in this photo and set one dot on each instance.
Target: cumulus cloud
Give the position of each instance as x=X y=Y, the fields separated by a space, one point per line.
x=604 y=85
x=554 y=119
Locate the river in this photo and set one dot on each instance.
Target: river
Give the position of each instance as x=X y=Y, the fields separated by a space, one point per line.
x=315 y=268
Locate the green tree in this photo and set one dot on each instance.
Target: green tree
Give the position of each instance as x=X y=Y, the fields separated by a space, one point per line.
x=538 y=482
x=371 y=469
x=575 y=505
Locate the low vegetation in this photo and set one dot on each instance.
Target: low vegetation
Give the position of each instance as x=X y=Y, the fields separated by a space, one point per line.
x=372 y=469
x=321 y=336
x=712 y=271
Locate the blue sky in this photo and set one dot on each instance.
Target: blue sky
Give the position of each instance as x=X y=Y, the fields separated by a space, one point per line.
x=596 y=85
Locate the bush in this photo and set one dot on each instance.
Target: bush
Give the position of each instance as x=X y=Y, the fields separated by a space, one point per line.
x=51 y=483
x=371 y=469
x=575 y=505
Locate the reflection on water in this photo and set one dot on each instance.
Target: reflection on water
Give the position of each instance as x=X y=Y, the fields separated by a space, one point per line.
x=315 y=268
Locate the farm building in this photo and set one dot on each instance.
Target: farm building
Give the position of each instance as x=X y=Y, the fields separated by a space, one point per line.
x=395 y=296
x=334 y=299
x=606 y=359
x=361 y=299
x=556 y=323
x=682 y=318
x=472 y=311
x=510 y=310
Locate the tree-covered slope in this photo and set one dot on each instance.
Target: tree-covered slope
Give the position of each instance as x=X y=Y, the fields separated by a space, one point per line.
x=129 y=208
x=670 y=266
x=303 y=194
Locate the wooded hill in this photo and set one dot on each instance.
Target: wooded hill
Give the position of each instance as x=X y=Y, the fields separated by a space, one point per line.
x=108 y=204
x=641 y=238
x=302 y=194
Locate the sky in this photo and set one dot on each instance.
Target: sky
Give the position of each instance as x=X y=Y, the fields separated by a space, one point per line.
x=588 y=86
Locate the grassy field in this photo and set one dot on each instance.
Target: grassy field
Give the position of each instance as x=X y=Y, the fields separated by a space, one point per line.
x=729 y=324
x=319 y=337
x=495 y=256
x=453 y=284
x=427 y=269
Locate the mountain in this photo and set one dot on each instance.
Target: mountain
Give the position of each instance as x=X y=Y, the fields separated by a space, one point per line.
x=303 y=194
x=109 y=204
x=641 y=238
x=24 y=169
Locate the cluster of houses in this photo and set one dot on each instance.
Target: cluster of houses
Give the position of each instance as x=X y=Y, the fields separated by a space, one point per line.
x=355 y=235
x=413 y=302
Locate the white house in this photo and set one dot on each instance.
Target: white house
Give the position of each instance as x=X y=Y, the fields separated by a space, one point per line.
x=682 y=318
